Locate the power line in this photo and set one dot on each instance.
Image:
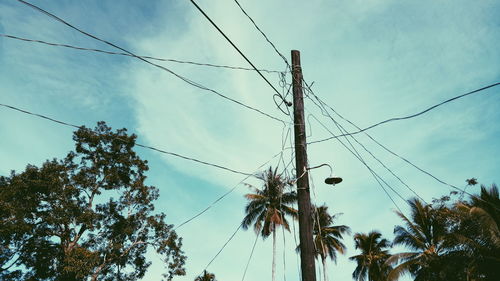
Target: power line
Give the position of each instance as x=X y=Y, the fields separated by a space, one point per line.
x=409 y=116
x=281 y=159
x=377 y=178
x=250 y=257
x=283 y=98
x=224 y=246
x=125 y=54
x=237 y=49
x=358 y=156
x=247 y=175
x=397 y=155
x=191 y=82
x=263 y=34
x=137 y=144
x=225 y=194
x=321 y=106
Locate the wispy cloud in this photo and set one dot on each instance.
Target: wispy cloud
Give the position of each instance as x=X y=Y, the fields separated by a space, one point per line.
x=371 y=60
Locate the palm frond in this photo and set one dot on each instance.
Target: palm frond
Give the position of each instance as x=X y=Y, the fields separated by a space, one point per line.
x=399 y=270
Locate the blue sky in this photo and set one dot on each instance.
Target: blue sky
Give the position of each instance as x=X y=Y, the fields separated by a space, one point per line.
x=370 y=60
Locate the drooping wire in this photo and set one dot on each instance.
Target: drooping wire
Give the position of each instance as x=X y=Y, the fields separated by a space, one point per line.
x=236 y=48
x=285 y=87
x=137 y=144
x=395 y=154
x=358 y=156
x=285 y=92
x=354 y=151
x=379 y=179
x=190 y=82
x=326 y=114
x=409 y=116
x=128 y=55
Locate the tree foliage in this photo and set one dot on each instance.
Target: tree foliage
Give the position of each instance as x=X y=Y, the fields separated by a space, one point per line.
x=425 y=233
x=451 y=239
x=87 y=216
x=269 y=206
x=371 y=262
x=206 y=276
x=327 y=237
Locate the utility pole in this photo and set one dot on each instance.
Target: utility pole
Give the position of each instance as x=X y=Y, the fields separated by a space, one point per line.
x=304 y=197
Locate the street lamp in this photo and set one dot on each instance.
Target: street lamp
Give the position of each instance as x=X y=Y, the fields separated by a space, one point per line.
x=330 y=180
x=333 y=180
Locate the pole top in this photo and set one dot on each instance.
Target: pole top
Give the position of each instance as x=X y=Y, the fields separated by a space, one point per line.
x=296 y=58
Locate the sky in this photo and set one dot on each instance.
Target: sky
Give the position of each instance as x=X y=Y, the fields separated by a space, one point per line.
x=370 y=60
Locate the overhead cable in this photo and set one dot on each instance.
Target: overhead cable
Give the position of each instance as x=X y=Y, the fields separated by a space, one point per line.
x=399 y=156
x=225 y=194
x=237 y=49
x=249 y=258
x=129 y=55
x=326 y=114
x=224 y=246
x=262 y=32
x=377 y=178
x=192 y=83
x=409 y=116
x=137 y=144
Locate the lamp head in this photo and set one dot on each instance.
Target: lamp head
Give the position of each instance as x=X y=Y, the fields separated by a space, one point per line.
x=333 y=180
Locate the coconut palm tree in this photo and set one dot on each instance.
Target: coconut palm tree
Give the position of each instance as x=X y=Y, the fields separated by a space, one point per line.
x=371 y=262
x=425 y=233
x=206 y=276
x=486 y=208
x=327 y=237
x=269 y=206
x=478 y=234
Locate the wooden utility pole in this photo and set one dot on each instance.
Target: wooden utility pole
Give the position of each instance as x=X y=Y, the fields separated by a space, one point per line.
x=303 y=192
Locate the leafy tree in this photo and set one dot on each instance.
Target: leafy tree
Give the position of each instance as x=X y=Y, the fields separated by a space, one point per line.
x=450 y=239
x=206 y=276
x=327 y=237
x=371 y=262
x=268 y=207
x=425 y=233
x=87 y=216
x=476 y=234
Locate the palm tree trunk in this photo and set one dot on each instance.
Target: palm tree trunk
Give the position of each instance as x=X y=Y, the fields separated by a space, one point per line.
x=274 y=254
x=323 y=260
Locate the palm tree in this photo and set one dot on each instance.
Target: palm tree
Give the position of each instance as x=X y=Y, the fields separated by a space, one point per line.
x=327 y=237
x=371 y=262
x=206 y=276
x=486 y=208
x=425 y=233
x=268 y=207
x=478 y=234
